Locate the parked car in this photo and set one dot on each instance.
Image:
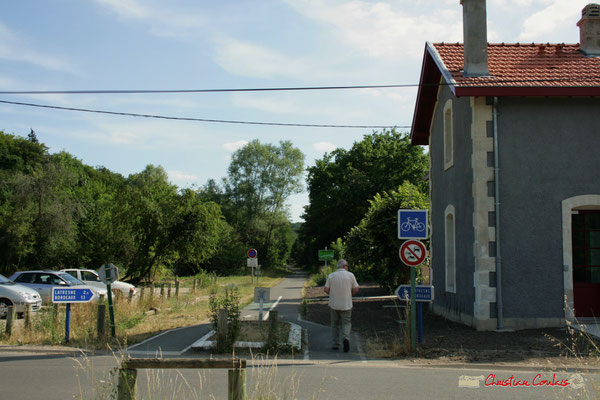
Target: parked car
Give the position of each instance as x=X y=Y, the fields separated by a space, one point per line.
x=90 y=277
x=44 y=281
x=22 y=297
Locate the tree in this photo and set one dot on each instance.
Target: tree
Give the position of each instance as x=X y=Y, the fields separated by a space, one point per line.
x=342 y=183
x=372 y=246
x=260 y=179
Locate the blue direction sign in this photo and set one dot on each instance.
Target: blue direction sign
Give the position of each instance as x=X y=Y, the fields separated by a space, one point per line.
x=424 y=292
x=413 y=224
x=71 y=295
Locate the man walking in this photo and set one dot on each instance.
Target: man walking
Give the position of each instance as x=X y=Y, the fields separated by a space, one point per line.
x=340 y=287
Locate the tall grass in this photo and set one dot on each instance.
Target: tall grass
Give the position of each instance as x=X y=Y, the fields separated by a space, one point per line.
x=135 y=320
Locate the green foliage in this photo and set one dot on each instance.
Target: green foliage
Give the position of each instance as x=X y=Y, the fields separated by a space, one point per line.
x=372 y=246
x=260 y=179
x=229 y=301
x=343 y=182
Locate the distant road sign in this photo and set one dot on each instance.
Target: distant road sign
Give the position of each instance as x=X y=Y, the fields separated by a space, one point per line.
x=71 y=295
x=326 y=255
x=252 y=253
x=252 y=263
x=423 y=292
x=413 y=224
x=413 y=253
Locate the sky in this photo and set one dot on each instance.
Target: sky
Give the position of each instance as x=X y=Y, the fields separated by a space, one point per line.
x=83 y=45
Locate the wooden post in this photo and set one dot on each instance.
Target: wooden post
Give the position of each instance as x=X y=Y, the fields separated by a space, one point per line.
x=194 y=286
x=126 y=389
x=176 y=289
x=130 y=296
x=221 y=328
x=169 y=290
x=101 y=321
x=162 y=290
x=27 y=317
x=142 y=294
x=272 y=335
x=10 y=318
x=151 y=288
x=54 y=314
x=236 y=384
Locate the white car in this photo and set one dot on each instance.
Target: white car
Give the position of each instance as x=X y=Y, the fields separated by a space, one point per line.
x=22 y=297
x=90 y=277
x=44 y=281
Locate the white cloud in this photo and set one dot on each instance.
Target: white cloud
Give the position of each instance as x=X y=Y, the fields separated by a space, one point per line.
x=324 y=146
x=249 y=59
x=233 y=146
x=13 y=48
x=162 y=21
x=555 y=15
x=184 y=177
x=384 y=30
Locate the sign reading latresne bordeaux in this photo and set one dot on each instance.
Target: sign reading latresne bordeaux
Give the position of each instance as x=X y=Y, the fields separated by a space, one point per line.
x=71 y=295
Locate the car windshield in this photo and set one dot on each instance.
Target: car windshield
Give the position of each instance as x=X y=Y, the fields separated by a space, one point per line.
x=69 y=278
x=5 y=280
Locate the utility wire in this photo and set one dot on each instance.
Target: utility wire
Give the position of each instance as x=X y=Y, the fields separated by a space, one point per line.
x=474 y=81
x=223 y=121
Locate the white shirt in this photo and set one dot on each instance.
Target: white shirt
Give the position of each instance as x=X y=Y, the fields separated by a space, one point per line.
x=340 y=284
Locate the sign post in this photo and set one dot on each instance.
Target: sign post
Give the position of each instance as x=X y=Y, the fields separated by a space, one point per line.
x=108 y=274
x=70 y=295
x=252 y=263
x=260 y=295
x=413 y=253
x=326 y=255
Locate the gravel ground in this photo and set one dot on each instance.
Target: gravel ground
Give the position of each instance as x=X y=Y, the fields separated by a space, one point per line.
x=444 y=340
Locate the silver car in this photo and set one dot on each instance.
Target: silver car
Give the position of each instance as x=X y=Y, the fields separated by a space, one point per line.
x=22 y=297
x=90 y=277
x=44 y=281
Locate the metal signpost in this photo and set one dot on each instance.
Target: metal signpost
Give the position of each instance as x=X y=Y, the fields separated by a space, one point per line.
x=109 y=273
x=326 y=255
x=261 y=294
x=252 y=263
x=70 y=295
x=413 y=224
x=424 y=293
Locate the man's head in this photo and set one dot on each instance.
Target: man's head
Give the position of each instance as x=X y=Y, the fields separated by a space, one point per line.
x=342 y=264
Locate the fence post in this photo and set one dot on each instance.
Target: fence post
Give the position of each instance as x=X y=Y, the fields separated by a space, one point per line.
x=101 y=321
x=27 y=317
x=221 y=329
x=176 y=289
x=162 y=290
x=169 y=290
x=126 y=389
x=194 y=285
x=54 y=314
x=236 y=384
x=10 y=318
x=130 y=296
x=142 y=293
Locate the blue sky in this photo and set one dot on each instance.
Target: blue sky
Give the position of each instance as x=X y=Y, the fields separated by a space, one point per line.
x=199 y=44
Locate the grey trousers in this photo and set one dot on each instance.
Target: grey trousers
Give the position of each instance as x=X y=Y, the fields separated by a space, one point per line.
x=340 y=321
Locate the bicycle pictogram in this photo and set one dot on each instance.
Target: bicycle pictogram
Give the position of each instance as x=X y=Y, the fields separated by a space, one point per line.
x=412 y=224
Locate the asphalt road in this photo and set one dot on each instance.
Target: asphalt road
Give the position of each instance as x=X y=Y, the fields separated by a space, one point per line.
x=316 y=373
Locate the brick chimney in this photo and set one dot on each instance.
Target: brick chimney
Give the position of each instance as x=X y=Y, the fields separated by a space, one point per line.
x=589 y=30
x=475 y=38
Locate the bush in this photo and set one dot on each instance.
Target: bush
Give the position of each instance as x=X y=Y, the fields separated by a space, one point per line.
x=229 y=301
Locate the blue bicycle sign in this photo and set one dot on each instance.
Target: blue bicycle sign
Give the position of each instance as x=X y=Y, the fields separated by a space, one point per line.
x=412 y=224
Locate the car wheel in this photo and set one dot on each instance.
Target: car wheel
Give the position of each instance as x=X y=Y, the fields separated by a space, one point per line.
x=4 y=303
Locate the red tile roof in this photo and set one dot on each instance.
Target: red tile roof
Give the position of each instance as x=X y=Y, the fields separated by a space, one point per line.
x=528 y=65
x=515 y=70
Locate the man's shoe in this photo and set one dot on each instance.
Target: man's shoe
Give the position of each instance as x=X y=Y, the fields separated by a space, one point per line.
x=346 y=345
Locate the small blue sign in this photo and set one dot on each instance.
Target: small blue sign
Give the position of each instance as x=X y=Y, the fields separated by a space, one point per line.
x=71 y=295
x=423 y=292
x=413 y=224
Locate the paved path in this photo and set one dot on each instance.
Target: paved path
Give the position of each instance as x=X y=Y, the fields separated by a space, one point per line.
x=285 y=298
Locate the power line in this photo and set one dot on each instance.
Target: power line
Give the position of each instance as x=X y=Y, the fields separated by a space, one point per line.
x=223 y=121
x=477 y=81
